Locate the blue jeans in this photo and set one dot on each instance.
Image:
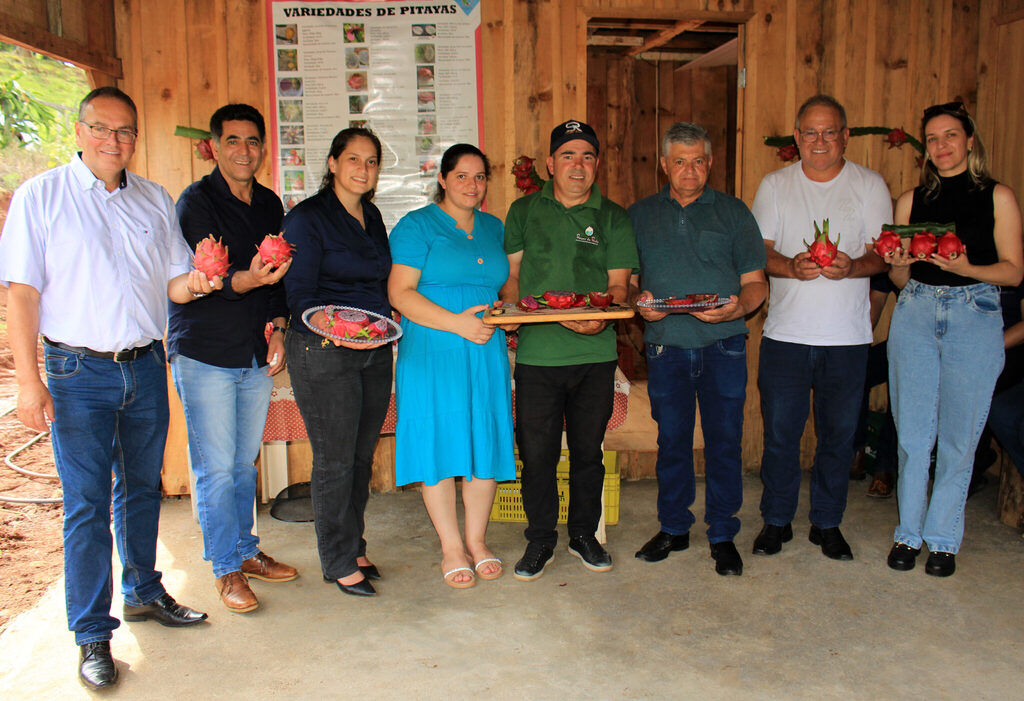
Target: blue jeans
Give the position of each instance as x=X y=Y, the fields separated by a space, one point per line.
x=108 y=417
x=716 y=377
x=945 y=354
x=1007 y=422
x=225 y=411
x=581 y=396
x=343 y=397
x=788 y=372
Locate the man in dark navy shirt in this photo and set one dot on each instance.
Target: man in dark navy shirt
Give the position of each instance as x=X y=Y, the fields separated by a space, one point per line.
x=221 y=360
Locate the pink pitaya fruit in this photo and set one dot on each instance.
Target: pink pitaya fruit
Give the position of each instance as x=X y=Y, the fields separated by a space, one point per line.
x=211 y=257
x=823 y=251
x=560 y=299
x=922 y=245
x=274 y=250
x=887 y=242
x=599 y=300
x=949 y=246
x=528 y=304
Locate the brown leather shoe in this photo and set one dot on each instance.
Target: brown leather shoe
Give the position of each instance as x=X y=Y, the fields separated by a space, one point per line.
x=264 y=567
x=881 y=488
x=235 y=593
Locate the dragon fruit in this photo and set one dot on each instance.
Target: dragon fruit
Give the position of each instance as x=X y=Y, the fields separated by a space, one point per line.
x=888 y=242
x=528 y=304
x=922 y=245
x=378 y=328
x=599 y=300
x=347 y=323
x=579 y=300
x=274 y=250
x=949 y=246
x=211 y=257
x=823 y=251
x=560 y=299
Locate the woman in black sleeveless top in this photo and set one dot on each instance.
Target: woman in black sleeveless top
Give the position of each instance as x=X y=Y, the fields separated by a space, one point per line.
x=946 y=337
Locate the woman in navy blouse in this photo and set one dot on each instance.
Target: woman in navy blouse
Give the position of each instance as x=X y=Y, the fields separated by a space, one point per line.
x=342 y=389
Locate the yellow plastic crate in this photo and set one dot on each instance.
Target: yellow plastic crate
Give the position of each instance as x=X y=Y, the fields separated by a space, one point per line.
x=508 y=500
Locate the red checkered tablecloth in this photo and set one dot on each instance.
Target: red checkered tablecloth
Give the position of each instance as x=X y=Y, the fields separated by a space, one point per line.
x=284 y=423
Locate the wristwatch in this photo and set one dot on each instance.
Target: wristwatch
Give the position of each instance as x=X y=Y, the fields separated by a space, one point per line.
x=282 y=329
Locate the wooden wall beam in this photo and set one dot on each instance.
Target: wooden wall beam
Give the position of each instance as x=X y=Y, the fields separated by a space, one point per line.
x=17 y=31
x=665 y=36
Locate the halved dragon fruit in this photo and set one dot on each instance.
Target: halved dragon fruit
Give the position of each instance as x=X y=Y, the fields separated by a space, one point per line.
x=560 y=299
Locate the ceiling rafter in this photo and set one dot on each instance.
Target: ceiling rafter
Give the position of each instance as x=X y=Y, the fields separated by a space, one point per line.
x=665 y=36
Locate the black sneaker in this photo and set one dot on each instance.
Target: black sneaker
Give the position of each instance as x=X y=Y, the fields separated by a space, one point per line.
x=531 y=565
x=587 y=549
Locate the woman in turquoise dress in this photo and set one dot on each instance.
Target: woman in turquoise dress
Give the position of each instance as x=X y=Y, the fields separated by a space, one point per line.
x=452 y=380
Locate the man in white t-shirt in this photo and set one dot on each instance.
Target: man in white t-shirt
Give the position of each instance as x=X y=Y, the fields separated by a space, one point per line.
x=818 y=329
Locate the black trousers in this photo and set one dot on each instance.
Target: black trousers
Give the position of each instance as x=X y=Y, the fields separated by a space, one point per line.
x=343 y=397
x=581 y=397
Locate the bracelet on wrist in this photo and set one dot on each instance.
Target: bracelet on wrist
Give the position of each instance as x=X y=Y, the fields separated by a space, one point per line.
x=282 y=329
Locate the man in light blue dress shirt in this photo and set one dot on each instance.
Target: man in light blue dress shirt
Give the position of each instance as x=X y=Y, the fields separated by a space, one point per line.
x=91 y=253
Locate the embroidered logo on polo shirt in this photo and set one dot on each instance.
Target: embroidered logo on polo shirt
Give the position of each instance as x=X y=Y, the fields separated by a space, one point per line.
x=587 y=236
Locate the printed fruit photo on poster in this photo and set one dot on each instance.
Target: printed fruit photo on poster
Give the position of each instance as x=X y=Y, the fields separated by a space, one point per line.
x=356 y=81
x=287 y=60
x=290 y=110
x=354 y=33
x=286 y=33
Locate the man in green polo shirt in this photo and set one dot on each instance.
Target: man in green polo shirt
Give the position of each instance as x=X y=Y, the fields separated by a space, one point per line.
x=566 y=237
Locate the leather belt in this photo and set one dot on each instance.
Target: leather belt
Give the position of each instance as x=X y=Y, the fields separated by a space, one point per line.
x=121 y=356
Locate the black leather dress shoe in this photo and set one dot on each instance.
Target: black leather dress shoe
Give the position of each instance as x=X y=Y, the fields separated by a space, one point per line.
x=370 y=571
x=902 y=557
x=727 y=558
x=769 y=541
x=832 y=542
x=360 y=588
x=659 y=547
x=96 y=668
x=164 y=610
x=940 y=564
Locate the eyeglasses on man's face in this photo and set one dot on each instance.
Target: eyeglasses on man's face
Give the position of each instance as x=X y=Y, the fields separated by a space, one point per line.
x=811 y=135
x=102 y=133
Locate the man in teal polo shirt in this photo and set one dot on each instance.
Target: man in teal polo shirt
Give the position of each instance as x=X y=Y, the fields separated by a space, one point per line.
x=566 y=237
x=695 y=240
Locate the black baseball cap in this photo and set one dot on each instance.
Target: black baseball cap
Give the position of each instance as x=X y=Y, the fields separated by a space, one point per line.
x=573 y=129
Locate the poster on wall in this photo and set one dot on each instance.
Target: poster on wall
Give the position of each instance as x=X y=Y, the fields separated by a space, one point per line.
x=410 y=71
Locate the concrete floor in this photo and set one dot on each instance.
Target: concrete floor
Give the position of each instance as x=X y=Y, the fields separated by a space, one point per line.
x=795 y=625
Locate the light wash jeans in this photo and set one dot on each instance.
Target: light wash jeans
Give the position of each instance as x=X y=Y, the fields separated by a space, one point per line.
x=945 y=354
x=225 y=411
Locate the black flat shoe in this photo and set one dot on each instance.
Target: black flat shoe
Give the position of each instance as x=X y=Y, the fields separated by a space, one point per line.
x=370 y=571
x=96 y=668
x=659 y=547
x=902 y=557
x=769 y=541
x=940 y=564
x=833 y=544
x=165 y=611
x=727 y=558
x=360 y=588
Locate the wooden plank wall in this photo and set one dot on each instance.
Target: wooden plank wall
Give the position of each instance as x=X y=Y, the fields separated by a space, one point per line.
x=884 y=60
x=630 y=103
x=79 y=31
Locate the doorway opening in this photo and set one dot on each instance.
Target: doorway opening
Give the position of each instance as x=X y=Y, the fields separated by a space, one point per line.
x=643 y=75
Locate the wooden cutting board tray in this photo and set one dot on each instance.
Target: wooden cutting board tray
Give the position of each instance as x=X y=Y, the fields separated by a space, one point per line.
x=511 y=314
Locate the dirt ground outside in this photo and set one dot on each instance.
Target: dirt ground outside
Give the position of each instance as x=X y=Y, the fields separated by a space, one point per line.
x=31 y=551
